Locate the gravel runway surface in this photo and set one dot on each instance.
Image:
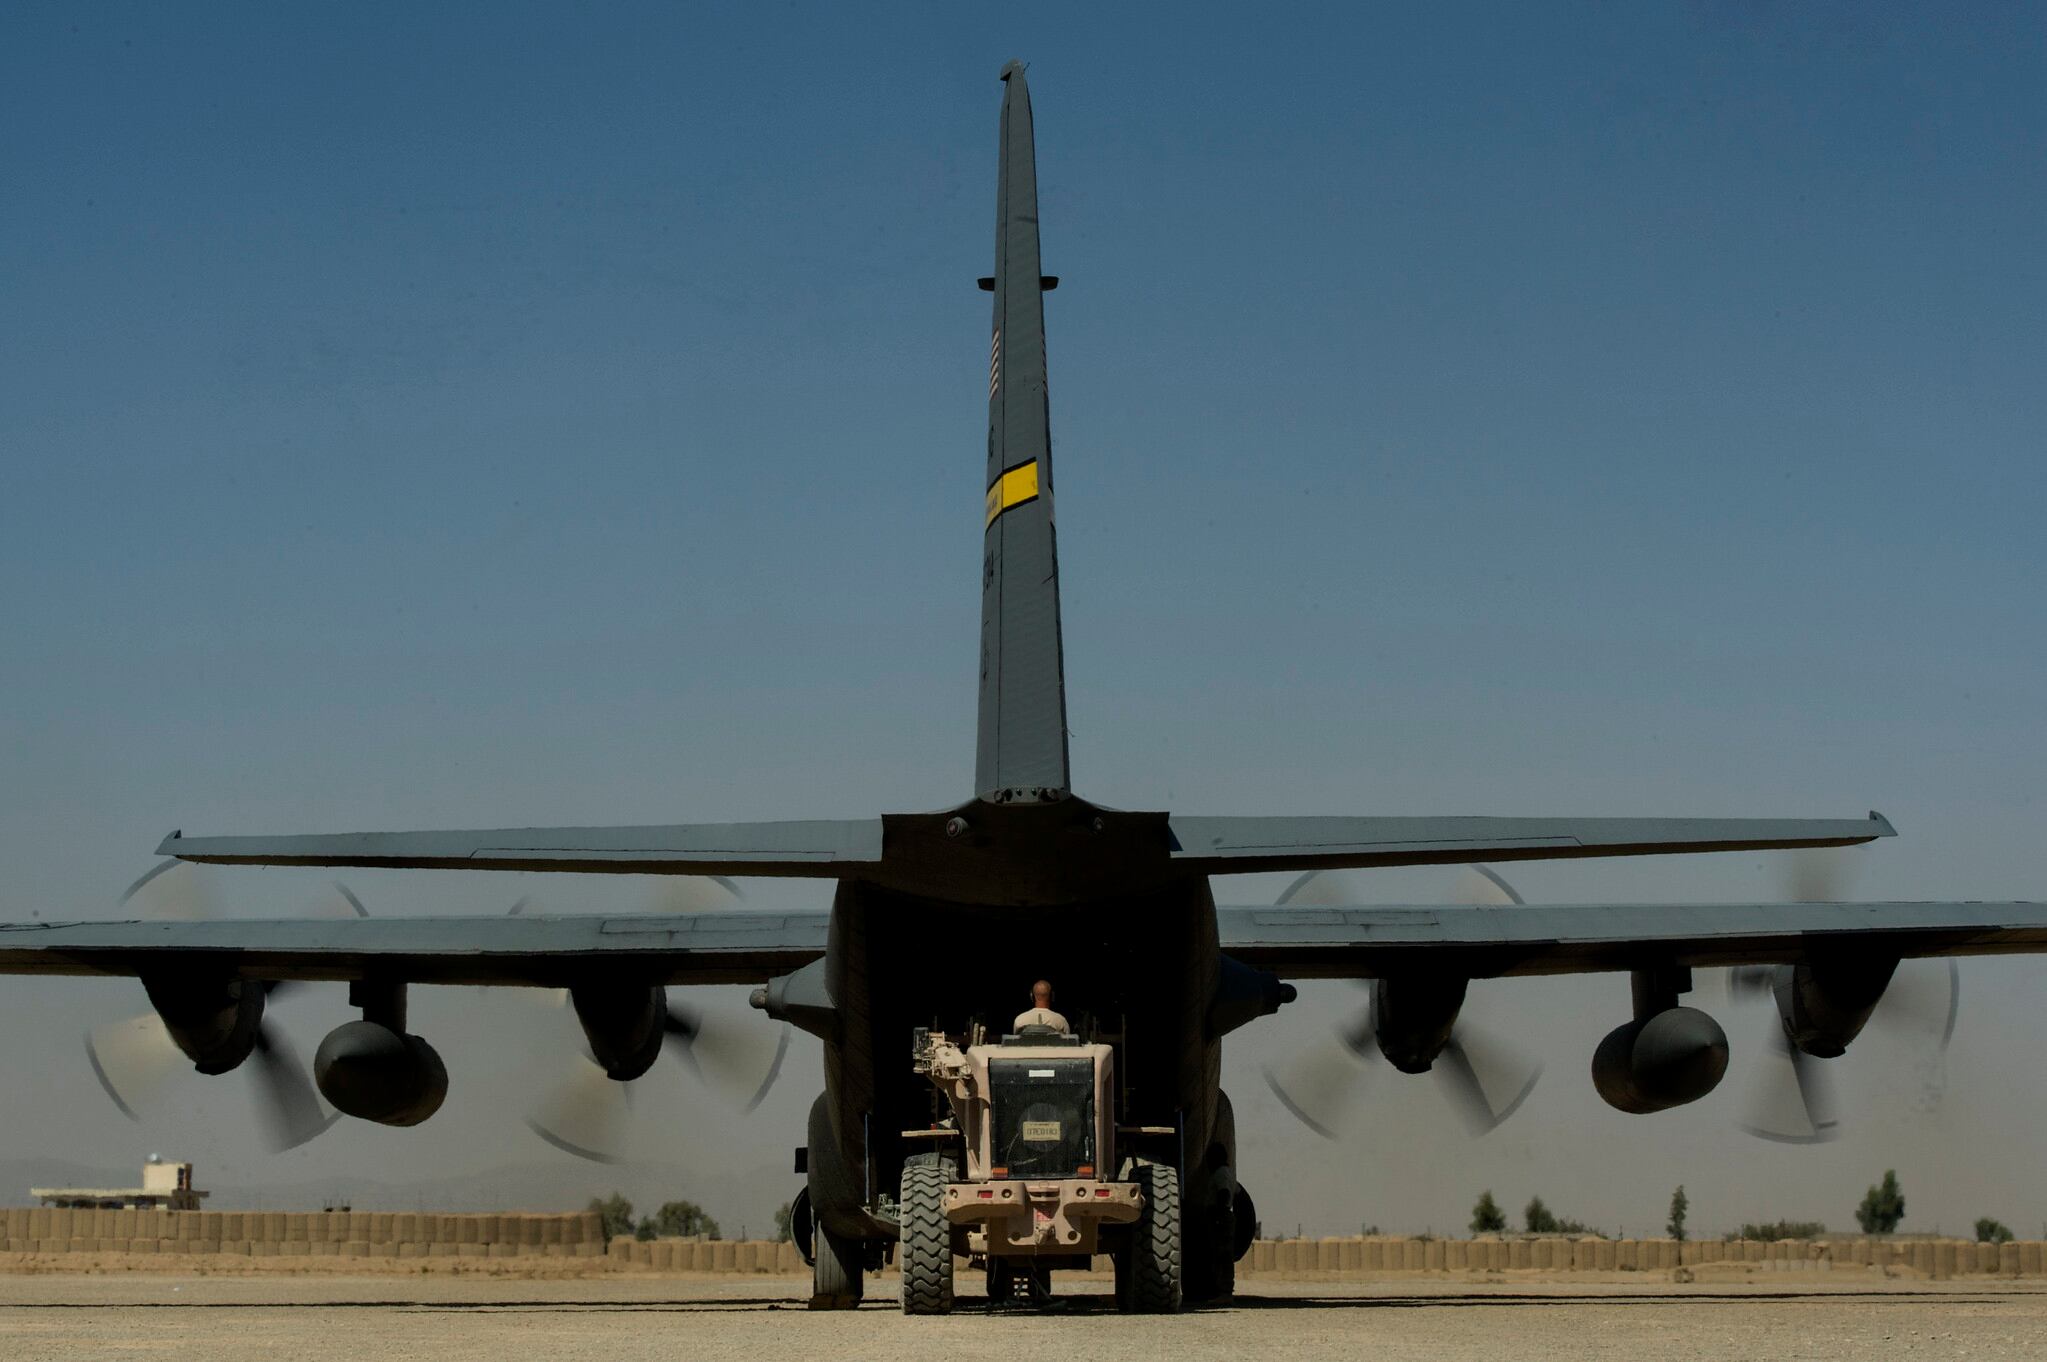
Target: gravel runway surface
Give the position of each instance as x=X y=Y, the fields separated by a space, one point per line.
x=282 y=1319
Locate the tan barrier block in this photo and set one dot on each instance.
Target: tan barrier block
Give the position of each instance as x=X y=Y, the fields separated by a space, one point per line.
x=1944 y=1263
x=1289 y=1259
x=1922 y=1258
x=590 y=1227
x=447 y=1229
x=1456 y=1256
x=382 y=1227
x=356 y=1248
x=38 y=1223
x=98 y=1223
x=661 y=1255
x=441 y=1250
x=488 y=1228
x=298 y=1228
x=1519 y=1254
x=471 y=1250
x=383 y=1248
x=1328 y=1255
x=721 y=1256
x=1542 y=1255
x=468 y=1230
x=63 y=1221
x=1413 y=1255
x=2029 y=1257
x=212 y=1226
x=232 y=1226
x=620 y=1249
x=1264 y=1256
x=788 y=1259
x=502 y=1250
x=80 y=1244
x=2008 y=1258
x=642 y=1253
x=746 y=1256
x=1433 y=1255
x=405 y=1227
x=533 y=1230
x=550 y=1229
x=142 y=1245
x=411 y=1248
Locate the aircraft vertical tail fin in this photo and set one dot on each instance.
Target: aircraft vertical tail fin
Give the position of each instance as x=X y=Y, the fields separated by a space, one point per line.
x=1022 y=747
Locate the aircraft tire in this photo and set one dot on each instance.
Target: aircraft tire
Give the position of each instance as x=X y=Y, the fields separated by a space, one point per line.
x=925 y=1251
x=1148 y=1265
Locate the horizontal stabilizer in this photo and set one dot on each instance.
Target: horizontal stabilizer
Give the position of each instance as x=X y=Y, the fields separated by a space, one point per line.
x=816 y=849
x=1236 y=846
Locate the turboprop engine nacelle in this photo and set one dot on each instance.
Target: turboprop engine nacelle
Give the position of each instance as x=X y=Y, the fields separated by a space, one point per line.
x=1673 y=1057
x=374 y=1073
x=1826 y=1002
x=1413 y=1017
x=624 y=1026
x=214 y=1020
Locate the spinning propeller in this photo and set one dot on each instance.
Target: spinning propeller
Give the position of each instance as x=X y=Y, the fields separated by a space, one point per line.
x=1485 y=1077
x=1793 y=1098
x=133 y=1059
x=587 y=1112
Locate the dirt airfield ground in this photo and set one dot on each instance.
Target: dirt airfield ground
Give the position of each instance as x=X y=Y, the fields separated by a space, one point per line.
x=620 y=1318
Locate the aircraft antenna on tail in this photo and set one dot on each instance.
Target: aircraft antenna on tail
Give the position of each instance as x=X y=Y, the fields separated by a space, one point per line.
x=1022 y=748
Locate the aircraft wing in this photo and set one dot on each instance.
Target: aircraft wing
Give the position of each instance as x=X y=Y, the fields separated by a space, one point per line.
x=1237 y=846
x=548 y=952
x=1523 y=939
x=818 y=849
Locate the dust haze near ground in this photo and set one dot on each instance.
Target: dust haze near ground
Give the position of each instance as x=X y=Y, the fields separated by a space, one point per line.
x=56 y=1318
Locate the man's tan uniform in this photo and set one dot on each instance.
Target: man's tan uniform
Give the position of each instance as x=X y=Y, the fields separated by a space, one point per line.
x=1042 y=1016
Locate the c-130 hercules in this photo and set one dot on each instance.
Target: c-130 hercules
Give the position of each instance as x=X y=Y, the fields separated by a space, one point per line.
x=940 y=919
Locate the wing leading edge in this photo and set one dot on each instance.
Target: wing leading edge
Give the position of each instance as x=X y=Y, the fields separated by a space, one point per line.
x=1489 y=942
x=547 y=952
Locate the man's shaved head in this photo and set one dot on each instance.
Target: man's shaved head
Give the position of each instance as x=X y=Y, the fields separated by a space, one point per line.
x=1041 y=993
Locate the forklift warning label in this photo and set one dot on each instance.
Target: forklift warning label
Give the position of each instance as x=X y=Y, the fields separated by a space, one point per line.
x=1035 y=1131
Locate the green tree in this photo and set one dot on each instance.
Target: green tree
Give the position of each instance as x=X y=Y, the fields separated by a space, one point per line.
x=682 y=1220
x=1883 y=1207
x=616 y=1213
x=1486 y=1215
x=1679 y=1204
x=1538 y=1219
x=1990 y=1231
x=783 y=1214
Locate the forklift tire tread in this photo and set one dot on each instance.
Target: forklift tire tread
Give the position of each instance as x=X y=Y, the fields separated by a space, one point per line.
x=926 y=1247
x=1151 y=1282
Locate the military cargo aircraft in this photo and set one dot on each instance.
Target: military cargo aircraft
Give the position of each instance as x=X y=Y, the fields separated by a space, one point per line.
x=940 y=919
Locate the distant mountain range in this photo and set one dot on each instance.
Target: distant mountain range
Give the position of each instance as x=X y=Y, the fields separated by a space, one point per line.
x=736 y=1199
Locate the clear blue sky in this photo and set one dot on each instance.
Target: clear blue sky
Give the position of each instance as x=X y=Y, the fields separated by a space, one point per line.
x=464 y=416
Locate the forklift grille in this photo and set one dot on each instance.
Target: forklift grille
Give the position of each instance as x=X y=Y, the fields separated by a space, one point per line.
x=1043 y=1116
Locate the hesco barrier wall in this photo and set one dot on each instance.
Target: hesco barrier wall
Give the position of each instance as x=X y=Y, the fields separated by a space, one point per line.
x=1933 y=1258
x=284 y=1234
x=32 y=1236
